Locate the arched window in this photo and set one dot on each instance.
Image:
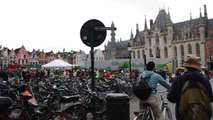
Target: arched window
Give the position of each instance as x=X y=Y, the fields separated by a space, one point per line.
x=197 y=49
x=189 y=49
x=138 y=54
x=157 y=52
x=165 y=52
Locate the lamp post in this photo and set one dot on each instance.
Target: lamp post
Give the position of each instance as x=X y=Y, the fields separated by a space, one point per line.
x=130 y=63
x=144 y=60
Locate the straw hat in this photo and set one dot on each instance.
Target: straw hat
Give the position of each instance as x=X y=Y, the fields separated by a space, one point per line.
x=192 y=61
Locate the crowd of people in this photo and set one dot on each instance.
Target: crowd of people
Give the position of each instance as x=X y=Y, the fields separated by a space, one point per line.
x=27 y=73
x=191 y=70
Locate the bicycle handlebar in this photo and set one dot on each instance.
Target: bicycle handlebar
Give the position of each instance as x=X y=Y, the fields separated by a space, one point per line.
x=162 y=91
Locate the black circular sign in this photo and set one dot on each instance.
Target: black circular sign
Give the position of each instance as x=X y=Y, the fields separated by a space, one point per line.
x=91 y=36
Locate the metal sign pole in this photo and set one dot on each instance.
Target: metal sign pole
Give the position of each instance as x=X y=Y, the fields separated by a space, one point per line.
x=93 y=33
x=92 y=61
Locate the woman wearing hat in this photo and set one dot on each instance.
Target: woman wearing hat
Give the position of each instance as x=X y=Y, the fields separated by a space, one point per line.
x=192 y=72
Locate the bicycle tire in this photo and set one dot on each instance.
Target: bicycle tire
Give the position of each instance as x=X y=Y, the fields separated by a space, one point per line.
x=139 y=117
x=146 y=115
x=167 y=114
x=25 y=116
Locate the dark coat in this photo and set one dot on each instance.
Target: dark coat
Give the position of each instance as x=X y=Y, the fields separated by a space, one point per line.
x=178 y=82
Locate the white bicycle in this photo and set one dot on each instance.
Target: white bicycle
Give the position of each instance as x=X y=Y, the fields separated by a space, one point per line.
x=165 y=110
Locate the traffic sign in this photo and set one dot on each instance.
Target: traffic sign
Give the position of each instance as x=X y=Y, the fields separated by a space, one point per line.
x=93 y=33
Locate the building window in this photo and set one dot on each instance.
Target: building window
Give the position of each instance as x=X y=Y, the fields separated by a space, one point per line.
x=150 y=53
x=186 y=35
x=165 y=40
x=189 y=49
x=165 y=52
x=150 y=42
x=157 y=52
x=157 y=40
x=182 y=51
x=133 y=54
x=143 y=53
x=197 y=49
x=175 y=51
x=138 y=54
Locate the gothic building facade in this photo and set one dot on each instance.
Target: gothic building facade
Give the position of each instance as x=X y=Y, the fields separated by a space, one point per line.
x=166 y=39
x=116 y=49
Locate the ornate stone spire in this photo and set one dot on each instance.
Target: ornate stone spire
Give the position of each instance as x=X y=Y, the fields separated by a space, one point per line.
x=112 y=32
x=145 y=24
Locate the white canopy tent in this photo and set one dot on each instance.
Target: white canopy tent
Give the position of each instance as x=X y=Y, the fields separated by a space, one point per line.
x=57 y=63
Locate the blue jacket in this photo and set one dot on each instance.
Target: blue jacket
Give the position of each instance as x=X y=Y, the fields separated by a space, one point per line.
x=178 y=82
x=154 y=80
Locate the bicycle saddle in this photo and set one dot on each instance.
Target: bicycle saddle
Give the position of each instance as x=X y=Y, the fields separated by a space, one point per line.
x=5 y=102
x=65 y=99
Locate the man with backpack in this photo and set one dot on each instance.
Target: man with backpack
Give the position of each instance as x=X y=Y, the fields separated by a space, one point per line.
x=153 y=80
x=191 y=92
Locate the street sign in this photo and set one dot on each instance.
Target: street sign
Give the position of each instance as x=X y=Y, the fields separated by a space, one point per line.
x=93 y=33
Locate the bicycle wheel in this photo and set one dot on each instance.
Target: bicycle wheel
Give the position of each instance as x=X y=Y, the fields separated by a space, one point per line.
x=146 y=115
x=78 y=112
x=139 y=117
x=167 y=114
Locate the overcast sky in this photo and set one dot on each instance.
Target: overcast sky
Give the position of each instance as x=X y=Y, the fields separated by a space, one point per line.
x=55 y=24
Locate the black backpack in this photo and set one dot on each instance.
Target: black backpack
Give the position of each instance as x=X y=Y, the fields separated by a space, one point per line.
x=141 y=89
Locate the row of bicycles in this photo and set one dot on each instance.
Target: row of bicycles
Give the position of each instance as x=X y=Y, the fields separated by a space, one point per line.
x=57 y=99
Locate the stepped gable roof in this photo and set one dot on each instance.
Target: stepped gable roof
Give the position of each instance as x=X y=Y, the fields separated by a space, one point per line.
x=49 y=53
x=162 y=20
x=190 y=25
x=17 y=50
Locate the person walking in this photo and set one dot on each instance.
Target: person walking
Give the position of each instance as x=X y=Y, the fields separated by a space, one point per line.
x=153 y=82
x=193 y=73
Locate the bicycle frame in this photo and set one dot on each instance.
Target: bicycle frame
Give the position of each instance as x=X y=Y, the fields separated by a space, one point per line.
x=166 y=112
x=146 y=114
